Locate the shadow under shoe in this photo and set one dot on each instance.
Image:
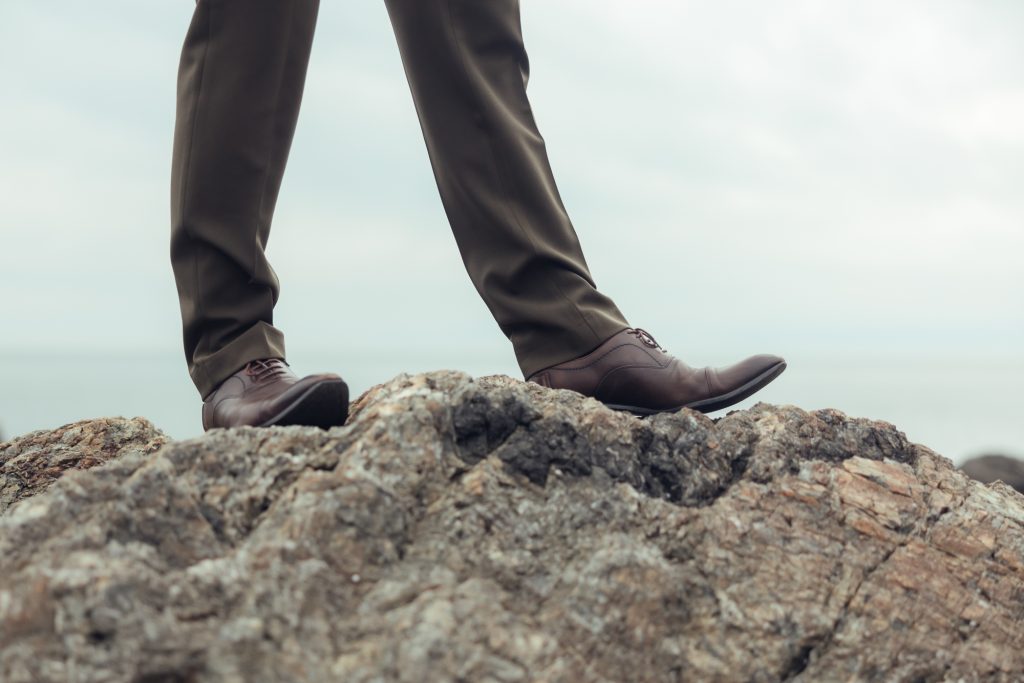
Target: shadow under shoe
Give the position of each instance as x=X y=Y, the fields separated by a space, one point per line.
x=631 y=371
x=266 y=392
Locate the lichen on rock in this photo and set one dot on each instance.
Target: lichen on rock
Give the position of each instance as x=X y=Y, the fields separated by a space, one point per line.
x=460 y=529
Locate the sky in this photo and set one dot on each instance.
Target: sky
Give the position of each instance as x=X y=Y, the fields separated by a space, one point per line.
x=795 y=177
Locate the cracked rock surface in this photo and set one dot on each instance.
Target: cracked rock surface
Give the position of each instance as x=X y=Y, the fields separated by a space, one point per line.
x=492 y=530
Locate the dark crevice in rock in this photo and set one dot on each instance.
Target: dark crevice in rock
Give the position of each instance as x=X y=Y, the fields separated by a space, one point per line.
x=798 y=663
x=738 y=468
x=482 y=424
x=98 y=637
x=190 y=676
x=668 y=483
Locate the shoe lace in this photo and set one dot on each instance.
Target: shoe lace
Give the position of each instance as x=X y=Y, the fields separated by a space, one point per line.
x=645 y=336
x=265 y=369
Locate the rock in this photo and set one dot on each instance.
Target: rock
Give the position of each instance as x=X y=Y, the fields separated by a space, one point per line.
x=493 y=530
x=990 y=468
x=31 y=463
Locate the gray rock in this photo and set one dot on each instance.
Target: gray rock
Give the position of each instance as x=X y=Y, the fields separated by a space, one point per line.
x=990 y=468
x=30 y=463
x=492 y=530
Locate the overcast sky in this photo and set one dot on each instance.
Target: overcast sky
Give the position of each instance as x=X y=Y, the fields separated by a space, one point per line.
x=810 y=173
x=794 y=176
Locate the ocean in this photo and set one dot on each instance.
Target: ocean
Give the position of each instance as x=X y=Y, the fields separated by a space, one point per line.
x=958 y=407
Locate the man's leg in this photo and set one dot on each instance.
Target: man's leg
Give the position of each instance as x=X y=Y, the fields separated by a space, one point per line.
x=240 y=83
x=467 y=69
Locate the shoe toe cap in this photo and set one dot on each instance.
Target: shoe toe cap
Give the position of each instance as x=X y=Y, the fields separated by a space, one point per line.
x=750 y=369
x=764 y=361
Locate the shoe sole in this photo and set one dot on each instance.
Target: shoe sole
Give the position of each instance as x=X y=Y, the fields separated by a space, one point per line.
x=323 y=405
x=709 y=405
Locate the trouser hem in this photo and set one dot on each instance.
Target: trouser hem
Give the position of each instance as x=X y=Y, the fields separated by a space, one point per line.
x=262 y=340
x=532 y=361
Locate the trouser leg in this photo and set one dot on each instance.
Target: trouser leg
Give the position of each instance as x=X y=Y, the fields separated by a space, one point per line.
x=467 y=69
x=240 y=82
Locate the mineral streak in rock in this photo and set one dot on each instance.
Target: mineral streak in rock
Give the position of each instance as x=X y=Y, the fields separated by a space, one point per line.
x=492 y=530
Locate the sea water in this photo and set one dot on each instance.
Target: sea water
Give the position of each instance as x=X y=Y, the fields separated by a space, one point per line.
x=959 y=408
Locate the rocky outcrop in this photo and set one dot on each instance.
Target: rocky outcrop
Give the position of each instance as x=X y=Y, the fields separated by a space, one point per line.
x=492 y=530
x=31 y=463
x=991 y=468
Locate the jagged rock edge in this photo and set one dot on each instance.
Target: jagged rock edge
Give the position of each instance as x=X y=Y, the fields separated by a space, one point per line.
x=738 y=465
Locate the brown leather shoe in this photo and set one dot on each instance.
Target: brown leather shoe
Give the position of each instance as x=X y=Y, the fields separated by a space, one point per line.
x=266 y=392
x=630 y=371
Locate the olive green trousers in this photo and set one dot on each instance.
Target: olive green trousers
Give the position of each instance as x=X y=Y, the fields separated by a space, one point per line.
x=240 y=84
